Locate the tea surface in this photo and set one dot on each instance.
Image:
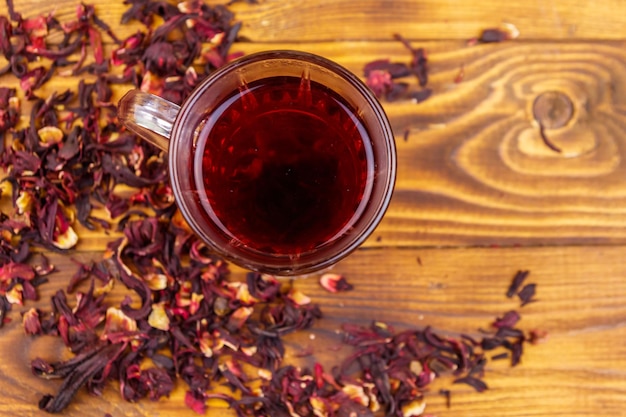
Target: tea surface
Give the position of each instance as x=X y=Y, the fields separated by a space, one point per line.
x=284 y=165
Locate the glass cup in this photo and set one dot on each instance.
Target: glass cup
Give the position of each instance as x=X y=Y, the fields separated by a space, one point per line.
x=263 y=116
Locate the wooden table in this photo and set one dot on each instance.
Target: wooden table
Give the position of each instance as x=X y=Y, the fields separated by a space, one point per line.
x=479 y=196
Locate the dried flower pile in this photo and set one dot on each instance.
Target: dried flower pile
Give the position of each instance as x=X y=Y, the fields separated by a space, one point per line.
x=183 y=319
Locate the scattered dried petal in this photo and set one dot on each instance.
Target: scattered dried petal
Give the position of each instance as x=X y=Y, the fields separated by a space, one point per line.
x=31 y=323
x=473 y=382
x=537 y=336
x=526 y=295
x=298 y=297
x=381 y=75
x=421 y=95
x=509 y=319
x=516 y=283
x=493 y=35
x=379 y=82
x=335 y=283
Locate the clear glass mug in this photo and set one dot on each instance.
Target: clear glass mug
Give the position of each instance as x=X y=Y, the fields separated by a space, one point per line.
x=294 y=107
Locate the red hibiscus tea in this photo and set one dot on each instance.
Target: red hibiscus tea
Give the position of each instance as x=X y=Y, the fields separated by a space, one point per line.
x=282 y=166
x=282 y=161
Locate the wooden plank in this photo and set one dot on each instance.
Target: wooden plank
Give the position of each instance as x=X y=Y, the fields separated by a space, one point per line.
x=322 y=20
x=474 y=169
x=579 y=370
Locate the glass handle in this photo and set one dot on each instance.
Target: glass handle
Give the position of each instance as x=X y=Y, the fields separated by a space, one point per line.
x=148 y=116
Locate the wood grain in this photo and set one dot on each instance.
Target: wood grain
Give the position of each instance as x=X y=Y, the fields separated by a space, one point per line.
x=474 y=169
x=579 y=370
x=474 y=175
x=330 y=20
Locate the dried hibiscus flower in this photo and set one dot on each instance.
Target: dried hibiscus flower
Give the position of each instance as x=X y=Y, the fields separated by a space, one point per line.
x=183 y=318
x=335 y=283
x=382 y=76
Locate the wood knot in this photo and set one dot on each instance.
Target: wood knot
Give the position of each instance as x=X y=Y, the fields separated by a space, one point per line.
x=563 y=126
x=553 y=109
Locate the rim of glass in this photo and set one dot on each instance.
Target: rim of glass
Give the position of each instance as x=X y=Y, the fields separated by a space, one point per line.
x=284 y=264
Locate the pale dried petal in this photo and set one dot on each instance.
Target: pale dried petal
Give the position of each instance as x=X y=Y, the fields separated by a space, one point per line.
x=511 y=29
x=156 y=282
x=298 y=297
x=243 y=294
x=158 y=317
x=218 y=38
x=416 y=367
x=23 y=202
x=66 y=240
x=205 y=343
x=249 y=350
x=117 y=321
x=49 y=135
x=183 y=297
x=265 y=374
x=194 y=305
x=179 y=221
x=105 y=289
x=370 y=391
x=356 y=393
x=117 y=255
x=319 y=407
x=413 y=408
x=14 y=295
x=151 y=83
x=183 y=7
x=239 y=316
x=220 y=343
x=335 y=283
x=14 y=103
x=6 y=188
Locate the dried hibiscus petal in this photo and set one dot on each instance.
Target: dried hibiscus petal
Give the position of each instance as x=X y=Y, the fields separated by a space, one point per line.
x=182 y=312
x=493 y=35
x=509 y=319
x=11 y=271
x=31 y=322
x=381 y=75
x=516 y=283
x=473 y=382
x=379 y=81
x=335 y=283
x=9 y=111
x=527 y=293
x=75 y=372
x=4 y=307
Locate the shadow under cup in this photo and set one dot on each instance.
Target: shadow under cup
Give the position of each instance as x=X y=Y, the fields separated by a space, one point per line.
x=192 y=146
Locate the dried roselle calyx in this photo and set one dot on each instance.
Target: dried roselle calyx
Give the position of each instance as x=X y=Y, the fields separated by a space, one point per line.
x=184 y=320
x=335 y=283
